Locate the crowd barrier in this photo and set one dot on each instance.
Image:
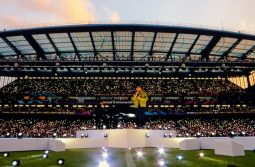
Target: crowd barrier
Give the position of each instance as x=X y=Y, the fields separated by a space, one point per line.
x=125 y=138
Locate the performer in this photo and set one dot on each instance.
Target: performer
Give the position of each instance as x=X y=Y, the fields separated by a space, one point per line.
x=139 y=99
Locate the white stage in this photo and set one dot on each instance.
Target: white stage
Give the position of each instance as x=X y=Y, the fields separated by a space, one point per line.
x=125 y=138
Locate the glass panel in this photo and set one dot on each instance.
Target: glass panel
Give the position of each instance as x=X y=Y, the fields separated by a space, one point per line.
x=140 y=56
x=251 y=56
x=184 y=42
x=21 y=44
x=163 y=42
x=143 y=41
x=242 y=48
x=103 y=41
x=123 y=40
x=62 y=42
x=123 y=55
x=223 y=45
x=201 y=43
x=82 y=41
x=44 y=42
x=5 y=49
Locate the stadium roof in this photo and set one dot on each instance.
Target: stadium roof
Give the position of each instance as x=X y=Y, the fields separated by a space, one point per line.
x=124 y=42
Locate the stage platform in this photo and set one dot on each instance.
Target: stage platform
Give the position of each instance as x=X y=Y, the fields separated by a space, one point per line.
x=121 y=138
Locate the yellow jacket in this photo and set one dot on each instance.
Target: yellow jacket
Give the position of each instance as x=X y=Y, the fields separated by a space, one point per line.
x=142 y=99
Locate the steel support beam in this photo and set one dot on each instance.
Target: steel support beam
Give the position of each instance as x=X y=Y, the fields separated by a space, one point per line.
x=75 y=48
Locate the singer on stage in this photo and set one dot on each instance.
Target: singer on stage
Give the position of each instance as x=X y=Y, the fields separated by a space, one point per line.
x=139 y=99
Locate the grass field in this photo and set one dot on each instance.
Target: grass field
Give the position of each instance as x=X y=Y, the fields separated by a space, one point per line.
x=127 y=158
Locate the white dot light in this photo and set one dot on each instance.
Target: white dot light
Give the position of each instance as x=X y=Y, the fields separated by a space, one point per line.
x=161 y=162
x=179 y=157
x=139 y=154
x=161 y=150
x=201 y=154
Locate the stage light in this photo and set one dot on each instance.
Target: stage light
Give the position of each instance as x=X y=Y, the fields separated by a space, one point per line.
x=45 y=156
x=8 y=134
x=243 y=133
x=165 y=135
x=15 y=163
x=104 y=155
x=161 y=150
x=201 y=154
x=46 y=151
x=54 y=135
x=105 y=135
x=118 y=126
x=20 y=135
x=161 y=162
x=86 y=135
x=6 y=154
x=104 y=127
x=213 y=133
x=179 y=157
x=139 y=154
x=187 y=134
x=82 y=135
x=60 y=161
x=129 y=148
x=232 y=133
x=103 y=163
x=198 y=133
x=147 y=135
x=170 y=135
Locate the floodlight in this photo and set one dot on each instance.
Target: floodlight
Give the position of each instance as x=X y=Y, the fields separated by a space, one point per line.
x=105 y=135
x=60 y=161
x=165 y=135
x=104 y=127
x=45 y=156
x=201 y=154
x=179 y=157
x=20 y=135
x=15 y=163
x=54 y=135
x=170 y=135
x=243 y=133
x=82 y=135
x=161 y=150
x=139 y=154
x=46 y=152
x=86 y=135
x=8 y=134
x=6 y=154
x=94 y=127
x=147 y=135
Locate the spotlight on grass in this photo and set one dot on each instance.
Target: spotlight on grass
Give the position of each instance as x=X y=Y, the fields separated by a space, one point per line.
x=103 y=163
x=60 y=161
x=201 y=154
x=161 y=162
x=161 y=151
x=179 y=157
x=46 y=152
x=139 y=154
x=45 y=156
x=6 y=154
x=15 y=163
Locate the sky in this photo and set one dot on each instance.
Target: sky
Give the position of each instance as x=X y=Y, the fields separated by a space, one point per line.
x=226 y=14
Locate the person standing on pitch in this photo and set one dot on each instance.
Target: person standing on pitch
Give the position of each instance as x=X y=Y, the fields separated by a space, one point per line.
x=139 y=99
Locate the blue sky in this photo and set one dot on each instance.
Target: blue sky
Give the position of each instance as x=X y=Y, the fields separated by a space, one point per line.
x=235 y=14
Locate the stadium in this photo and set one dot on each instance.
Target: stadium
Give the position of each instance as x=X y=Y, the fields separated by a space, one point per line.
x=73 y=95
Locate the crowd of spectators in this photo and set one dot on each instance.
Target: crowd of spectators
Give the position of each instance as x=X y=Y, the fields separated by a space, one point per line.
x=120 y=87
x=184 y=127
